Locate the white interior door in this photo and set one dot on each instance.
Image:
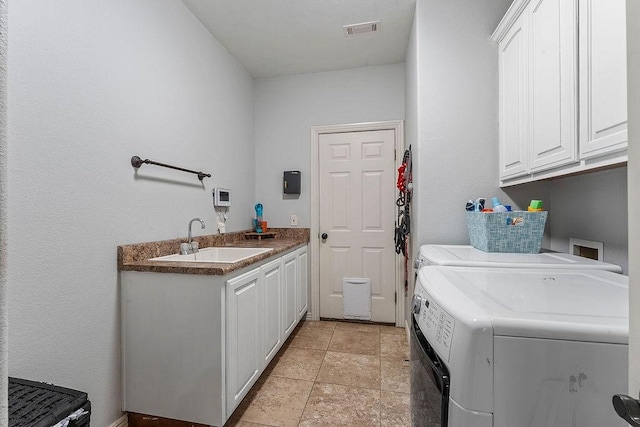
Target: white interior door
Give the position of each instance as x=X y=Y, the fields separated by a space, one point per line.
x=356 y=213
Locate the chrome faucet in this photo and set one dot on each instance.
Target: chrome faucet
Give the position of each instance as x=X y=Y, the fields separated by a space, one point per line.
x=191 y=247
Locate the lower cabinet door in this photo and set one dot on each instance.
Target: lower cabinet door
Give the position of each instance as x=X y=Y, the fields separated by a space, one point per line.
x=289 y=280
x=244 y=362
x=270 y=309
x=302 y=286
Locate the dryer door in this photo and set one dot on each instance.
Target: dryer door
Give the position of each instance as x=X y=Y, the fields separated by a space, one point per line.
x=429 y=383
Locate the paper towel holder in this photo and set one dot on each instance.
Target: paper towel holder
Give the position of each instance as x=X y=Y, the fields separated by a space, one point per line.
x=291 y=182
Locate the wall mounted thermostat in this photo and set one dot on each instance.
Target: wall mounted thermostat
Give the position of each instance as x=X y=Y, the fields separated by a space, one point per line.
x=291 y=182
x=221 y=197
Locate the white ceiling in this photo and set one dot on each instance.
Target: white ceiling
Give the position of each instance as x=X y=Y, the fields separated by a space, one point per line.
x=283 y=37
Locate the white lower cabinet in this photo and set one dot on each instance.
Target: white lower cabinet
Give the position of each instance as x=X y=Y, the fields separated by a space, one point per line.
x=302 y=285
x=289 y=278
x=271 y=309
x=194 y=345
x=173 y=346
x=244 y=361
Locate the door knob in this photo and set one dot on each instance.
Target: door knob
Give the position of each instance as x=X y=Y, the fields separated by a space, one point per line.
x=627 y=408
x=324 y=236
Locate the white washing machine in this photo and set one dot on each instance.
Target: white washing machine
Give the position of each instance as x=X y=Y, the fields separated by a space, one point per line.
x=468 y=256
x=503 y=347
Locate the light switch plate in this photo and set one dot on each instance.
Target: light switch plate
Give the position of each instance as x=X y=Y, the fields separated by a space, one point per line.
x=294 y=219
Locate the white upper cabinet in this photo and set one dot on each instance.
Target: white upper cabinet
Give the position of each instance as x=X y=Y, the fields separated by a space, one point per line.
x=562 y=73
x=513 y=99
x=603 y=77
x=552 y=83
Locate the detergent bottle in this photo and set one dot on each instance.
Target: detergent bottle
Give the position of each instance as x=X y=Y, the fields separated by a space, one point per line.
x=497 y=206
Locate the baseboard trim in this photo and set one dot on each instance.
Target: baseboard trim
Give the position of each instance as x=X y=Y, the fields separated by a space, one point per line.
x=123 y=421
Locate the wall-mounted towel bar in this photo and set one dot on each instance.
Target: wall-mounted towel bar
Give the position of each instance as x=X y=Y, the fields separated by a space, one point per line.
x=136 y=162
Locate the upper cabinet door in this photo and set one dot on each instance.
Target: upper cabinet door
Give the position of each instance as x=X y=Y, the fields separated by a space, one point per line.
x=603 y=77
x=553 y=86
x=513 y=101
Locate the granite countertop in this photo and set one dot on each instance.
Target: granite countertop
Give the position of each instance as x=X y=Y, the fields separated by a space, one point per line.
x=136 y=257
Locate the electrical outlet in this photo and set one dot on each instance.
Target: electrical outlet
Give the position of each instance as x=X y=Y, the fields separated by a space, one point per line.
x=294 y=219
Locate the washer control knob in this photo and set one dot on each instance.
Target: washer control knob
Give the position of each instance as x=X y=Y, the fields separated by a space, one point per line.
x=417 y=304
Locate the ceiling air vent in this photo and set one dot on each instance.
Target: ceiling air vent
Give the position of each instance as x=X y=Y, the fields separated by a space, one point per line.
x=365 y=27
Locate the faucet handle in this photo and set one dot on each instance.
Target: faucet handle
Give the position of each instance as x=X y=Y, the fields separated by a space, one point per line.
x=194 y=246
x=184 y=248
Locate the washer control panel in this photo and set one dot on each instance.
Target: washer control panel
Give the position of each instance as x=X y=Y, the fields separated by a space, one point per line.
x=436 y=324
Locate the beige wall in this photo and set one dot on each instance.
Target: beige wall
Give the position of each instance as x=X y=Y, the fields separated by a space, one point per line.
x=90 y=84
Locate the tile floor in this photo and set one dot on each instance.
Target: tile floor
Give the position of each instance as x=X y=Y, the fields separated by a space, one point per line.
x=333 y=374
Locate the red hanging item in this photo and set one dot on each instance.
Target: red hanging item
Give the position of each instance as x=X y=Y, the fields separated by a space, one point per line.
x=401 y=181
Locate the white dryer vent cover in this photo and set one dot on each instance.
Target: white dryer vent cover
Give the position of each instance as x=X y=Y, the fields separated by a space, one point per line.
x=365 y=27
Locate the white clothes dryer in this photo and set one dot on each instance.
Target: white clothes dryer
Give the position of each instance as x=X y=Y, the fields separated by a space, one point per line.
x=505 y=347
x=468 y=256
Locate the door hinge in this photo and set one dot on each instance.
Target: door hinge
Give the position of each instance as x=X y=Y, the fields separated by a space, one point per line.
x=395 y=297
x=395 y=154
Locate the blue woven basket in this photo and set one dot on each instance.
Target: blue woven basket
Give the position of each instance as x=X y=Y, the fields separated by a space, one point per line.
x=517 y=232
